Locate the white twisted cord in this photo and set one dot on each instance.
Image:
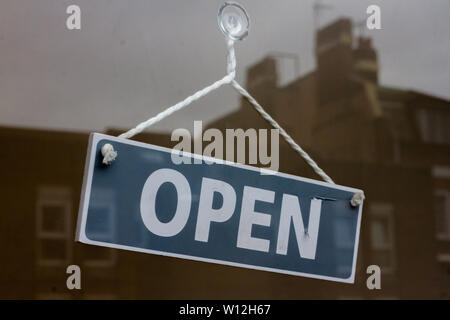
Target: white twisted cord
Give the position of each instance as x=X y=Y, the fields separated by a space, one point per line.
x=357 y=199
x=285 y=135
x=231 y=72
x=231 y=58
x=180 y=105
x=110 y=154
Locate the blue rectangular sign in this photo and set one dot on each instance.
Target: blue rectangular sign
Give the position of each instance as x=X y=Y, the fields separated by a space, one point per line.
x=217 y=211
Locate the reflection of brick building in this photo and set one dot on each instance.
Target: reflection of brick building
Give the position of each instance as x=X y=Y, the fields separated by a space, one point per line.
x=394 y=144
x=391 y=143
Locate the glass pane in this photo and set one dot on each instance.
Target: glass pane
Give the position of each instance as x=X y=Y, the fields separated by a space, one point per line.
x=53 y=219
x=53 y=249
x=440 y=214
x=383 y=258
x=380 y=233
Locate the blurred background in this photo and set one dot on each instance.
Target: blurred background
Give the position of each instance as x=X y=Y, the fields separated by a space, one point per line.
x=371 y=106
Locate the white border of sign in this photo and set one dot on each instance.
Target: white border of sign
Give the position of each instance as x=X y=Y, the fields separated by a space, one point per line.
x=86 y=191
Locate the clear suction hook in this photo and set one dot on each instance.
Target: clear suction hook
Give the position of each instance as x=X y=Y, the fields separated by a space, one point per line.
x=233 y=20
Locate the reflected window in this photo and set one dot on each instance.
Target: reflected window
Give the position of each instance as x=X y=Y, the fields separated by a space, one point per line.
x=343 y=233
x=344 y=241
x=444 y=272
x=434 y=126
x=442 y=214
x=104 y=206
x=53 y=223
x=382 y=236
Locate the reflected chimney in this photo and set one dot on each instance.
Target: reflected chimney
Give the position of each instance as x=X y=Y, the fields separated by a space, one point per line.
x=334 y=55
x=262 y=80
x=365 y=60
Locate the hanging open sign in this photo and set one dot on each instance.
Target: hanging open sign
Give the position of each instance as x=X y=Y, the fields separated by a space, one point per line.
x=224 y=213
